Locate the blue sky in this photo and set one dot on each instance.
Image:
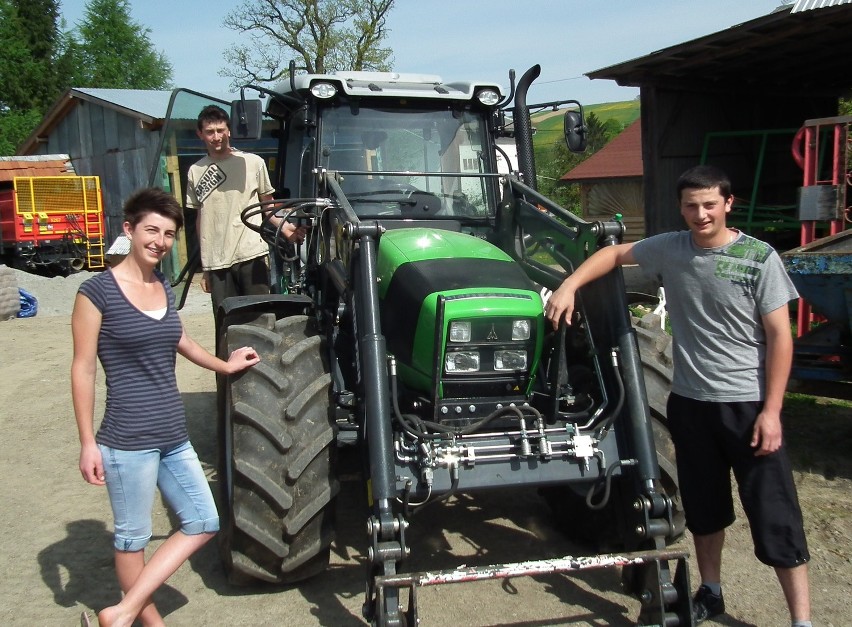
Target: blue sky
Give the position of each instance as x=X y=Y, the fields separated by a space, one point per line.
x=472 y=39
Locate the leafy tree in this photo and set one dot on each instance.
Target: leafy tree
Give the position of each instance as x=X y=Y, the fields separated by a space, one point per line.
x=39 y=59
x=15 y=127
x=30 y=44
x=600 y=132
x=117 y=52
x=36 y=65
x=39 y=29
x=13 y=53
x=551 y=163
x=323 y=35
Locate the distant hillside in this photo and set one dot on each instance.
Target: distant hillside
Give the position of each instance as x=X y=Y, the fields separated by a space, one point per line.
x=548 y=124
x=623 y=112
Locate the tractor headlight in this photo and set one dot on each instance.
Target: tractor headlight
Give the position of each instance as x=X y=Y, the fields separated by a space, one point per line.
x=488 y=97
x=323 y=90
x=460 y=331
x=510 y=360
x=521 y=329
x=462 y=361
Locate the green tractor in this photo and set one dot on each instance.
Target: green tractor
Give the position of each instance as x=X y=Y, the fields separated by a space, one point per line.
x=410 y=324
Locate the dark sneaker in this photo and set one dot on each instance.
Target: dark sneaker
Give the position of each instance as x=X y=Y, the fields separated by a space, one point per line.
x=706 y=605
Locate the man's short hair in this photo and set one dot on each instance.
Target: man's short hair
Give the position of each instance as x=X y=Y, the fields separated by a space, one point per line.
x=213 y=113
x=704 y=177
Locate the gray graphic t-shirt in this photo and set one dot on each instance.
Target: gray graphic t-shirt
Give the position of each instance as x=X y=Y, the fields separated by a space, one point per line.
x=715 y=298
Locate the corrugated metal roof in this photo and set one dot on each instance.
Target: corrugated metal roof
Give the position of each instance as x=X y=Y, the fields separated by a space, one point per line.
x=622 y=157
x=147 y=102
x=36 y=165
x=807 y=5
x=148 y=105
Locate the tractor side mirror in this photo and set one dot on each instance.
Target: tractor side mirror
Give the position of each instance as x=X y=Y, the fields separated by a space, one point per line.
x=575 y=130
x=246 y=119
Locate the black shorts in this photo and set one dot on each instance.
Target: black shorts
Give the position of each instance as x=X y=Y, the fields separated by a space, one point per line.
x=710 y=440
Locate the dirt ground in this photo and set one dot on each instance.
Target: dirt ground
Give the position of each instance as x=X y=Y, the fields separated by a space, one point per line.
x=56 y=556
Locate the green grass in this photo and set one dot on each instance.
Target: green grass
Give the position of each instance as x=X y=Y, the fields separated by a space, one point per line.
x=547 y=131
x=549 y=126
x=625 y=112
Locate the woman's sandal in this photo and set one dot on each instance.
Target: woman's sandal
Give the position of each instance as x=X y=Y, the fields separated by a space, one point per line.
x=85 y=621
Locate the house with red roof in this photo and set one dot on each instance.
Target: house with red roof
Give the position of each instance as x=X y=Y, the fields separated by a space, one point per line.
x=611 y=182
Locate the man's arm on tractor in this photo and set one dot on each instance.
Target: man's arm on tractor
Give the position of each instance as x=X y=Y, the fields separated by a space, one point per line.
x=561 y=303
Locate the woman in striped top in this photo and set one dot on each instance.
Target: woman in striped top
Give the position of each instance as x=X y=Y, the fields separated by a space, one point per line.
x=126 y=318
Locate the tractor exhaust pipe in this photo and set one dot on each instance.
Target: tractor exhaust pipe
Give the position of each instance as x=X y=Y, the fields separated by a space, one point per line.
x=523 y=127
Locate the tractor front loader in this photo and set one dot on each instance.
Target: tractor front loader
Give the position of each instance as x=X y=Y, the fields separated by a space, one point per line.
x=410 y=323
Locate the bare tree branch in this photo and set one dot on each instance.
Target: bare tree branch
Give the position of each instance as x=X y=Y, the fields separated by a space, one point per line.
x=320 y=35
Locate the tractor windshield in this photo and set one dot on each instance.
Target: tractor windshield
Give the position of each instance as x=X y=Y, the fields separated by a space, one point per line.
x=409 y=163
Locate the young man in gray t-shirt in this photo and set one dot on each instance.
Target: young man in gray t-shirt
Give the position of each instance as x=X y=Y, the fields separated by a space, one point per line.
x=727 y=296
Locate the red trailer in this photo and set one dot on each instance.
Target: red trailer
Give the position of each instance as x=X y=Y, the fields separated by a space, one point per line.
x=52 y=224
x=823 y=149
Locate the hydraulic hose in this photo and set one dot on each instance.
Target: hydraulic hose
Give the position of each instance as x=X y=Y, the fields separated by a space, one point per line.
x=607 y=481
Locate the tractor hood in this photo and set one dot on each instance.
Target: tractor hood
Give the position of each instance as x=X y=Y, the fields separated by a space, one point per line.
x=476 y=280
x=428 y=248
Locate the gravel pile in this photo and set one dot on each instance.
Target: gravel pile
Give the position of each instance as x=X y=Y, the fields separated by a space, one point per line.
x=56 y=295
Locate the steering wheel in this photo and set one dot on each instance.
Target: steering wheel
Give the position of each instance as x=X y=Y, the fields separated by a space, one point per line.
x=272 y=232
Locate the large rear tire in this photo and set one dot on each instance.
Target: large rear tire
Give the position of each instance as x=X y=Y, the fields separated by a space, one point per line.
x=277 y=459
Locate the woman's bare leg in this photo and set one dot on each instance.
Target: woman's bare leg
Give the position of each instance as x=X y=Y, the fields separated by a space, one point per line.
x=162 y=565
x=128 y=565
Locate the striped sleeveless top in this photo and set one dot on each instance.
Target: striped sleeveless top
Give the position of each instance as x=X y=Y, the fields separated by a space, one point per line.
x=144 y=409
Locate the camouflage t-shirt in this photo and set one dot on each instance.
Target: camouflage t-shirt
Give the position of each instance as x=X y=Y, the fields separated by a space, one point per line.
x=715 y=298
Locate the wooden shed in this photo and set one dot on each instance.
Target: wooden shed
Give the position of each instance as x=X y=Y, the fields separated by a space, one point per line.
x=736 y=99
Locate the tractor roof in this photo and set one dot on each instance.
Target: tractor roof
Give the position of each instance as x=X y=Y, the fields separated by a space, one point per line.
x=391 y=84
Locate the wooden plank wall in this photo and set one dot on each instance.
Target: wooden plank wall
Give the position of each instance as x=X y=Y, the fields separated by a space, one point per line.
x=602 y=199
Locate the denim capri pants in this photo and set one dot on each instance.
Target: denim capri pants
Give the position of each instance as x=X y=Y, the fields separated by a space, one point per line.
x=131 y=478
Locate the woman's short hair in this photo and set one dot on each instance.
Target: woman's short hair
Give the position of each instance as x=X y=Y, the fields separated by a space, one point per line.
x=152 y=200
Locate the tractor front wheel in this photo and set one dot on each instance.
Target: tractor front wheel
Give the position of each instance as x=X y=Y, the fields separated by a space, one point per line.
x=277 y=456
